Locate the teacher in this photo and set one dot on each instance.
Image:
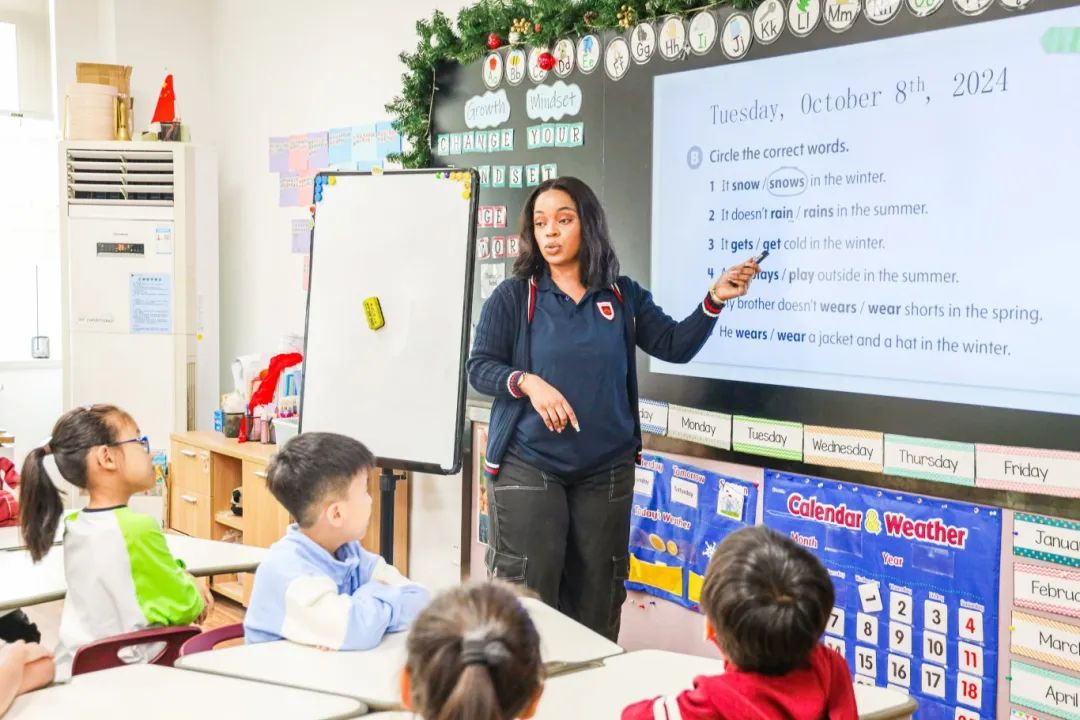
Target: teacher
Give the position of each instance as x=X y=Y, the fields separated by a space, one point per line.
x=555 y=347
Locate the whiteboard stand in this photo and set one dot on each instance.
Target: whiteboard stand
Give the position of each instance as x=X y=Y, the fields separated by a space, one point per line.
x=387 y=503
x=407 y=238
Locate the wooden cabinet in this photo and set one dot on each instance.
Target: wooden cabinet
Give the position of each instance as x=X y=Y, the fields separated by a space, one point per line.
x=205 y=469
x=265 y=520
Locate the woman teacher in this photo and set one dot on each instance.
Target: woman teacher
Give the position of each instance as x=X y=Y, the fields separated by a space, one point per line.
x=555 y=346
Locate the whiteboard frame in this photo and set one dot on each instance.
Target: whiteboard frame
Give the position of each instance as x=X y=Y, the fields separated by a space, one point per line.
x=470 y=253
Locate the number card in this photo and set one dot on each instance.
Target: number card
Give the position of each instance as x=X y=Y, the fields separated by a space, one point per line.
x=933 y=681
x=866 y=661
x=836 y=622
x=836 y=644
x=900 y=637
x=917 y=580
x=899 y=670
x=935 y=647
x=900 y=607
x=866 y=629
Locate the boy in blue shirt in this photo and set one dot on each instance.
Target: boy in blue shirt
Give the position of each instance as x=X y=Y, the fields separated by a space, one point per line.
x=317 y=586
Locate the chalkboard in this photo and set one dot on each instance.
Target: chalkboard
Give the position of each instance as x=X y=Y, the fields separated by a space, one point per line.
x=616 y=160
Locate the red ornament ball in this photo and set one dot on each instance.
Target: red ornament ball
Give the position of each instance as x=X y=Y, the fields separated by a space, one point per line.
x=546 y=61
x=537 y=27
x=494 y=41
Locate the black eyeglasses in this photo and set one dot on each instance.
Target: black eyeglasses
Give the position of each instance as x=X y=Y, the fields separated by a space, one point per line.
x=142 y=440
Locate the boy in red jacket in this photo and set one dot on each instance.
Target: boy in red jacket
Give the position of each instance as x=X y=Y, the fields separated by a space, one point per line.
x=766 y=602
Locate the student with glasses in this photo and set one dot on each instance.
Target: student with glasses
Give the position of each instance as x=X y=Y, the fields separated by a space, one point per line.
x=120 y=574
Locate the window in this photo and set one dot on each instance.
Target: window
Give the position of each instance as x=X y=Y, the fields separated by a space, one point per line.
x=9 y=68
x=29 y=236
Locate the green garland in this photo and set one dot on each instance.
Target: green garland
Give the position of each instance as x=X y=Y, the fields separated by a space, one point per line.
x=440 y=43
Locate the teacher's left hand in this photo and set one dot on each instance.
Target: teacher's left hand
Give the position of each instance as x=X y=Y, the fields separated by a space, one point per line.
x=735 y=281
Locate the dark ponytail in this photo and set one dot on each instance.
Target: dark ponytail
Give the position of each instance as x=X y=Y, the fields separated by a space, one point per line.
x=73 y=436
x=474 y=654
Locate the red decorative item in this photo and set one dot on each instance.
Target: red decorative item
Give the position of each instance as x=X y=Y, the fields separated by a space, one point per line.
x=537 y=28
x=166 y=104
x=546 y=61
x=493 y=62
x=494 y=41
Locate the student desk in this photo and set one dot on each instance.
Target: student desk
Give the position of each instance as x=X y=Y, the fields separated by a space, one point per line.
x=28 y=584
x=10 y=538
x=152 y=691
x=602 y=693
x=373 y=675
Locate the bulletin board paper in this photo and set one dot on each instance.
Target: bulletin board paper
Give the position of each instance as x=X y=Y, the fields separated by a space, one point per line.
x=1045 y=690
x=1045 y=588
x=842 y=447
x=1050 y=472
x=1049 y=641
x=1048 y=539
x=653 y=416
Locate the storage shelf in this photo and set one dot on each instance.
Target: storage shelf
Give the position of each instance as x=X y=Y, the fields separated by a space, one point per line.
x=234 y=590
x=226 y=518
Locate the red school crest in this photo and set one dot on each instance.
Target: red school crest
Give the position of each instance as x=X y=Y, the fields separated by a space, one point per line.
x=606 y=310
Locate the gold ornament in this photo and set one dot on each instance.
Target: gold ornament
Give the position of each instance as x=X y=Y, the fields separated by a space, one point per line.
x=521 y=25
x=626 y=17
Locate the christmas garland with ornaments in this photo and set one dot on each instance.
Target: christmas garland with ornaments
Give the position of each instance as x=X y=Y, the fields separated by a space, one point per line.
x=490 y=25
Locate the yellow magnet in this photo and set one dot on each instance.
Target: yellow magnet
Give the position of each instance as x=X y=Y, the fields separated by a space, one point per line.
x=373 y=313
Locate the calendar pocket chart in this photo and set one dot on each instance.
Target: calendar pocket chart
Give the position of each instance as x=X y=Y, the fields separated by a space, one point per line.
x=917 y=584
x=680 y=513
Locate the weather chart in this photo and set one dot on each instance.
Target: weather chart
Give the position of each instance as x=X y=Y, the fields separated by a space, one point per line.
x=916 y=584
x=680 y=514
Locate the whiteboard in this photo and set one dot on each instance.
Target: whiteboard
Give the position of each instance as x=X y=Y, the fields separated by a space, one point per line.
x=406 y=238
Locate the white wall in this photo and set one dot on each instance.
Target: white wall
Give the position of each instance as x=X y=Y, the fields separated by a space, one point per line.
x=282 y=67
x=155 y=37
x=279 y=68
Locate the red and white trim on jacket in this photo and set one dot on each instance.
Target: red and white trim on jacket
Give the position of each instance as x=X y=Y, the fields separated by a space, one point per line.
x=491 y=468
x=666 y=709
x=512 y=384
x=710 y=307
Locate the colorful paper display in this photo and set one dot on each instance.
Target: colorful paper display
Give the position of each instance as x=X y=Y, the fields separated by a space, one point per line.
x=770 y=438
x=1049 y=472
x=841 y=447
x=926 y=459
x=653 y=416
x=1048 y=539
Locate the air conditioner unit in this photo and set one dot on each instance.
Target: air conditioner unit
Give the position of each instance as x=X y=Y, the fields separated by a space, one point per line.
x=139 y=264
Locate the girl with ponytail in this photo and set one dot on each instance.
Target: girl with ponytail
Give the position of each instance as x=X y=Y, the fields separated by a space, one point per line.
x=120 y=574
x=473 y=654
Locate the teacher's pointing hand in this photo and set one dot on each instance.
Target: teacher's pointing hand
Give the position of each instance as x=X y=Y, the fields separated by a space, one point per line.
x=549 y=403
x=735 y=281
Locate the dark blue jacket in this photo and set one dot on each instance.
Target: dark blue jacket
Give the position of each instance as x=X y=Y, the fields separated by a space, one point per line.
x=501 y=349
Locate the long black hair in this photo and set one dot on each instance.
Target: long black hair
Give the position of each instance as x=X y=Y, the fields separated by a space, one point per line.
x=599 y=265
x=74 y=435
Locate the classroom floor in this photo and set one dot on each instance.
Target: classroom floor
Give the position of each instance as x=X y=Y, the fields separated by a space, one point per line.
x=47 y=617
